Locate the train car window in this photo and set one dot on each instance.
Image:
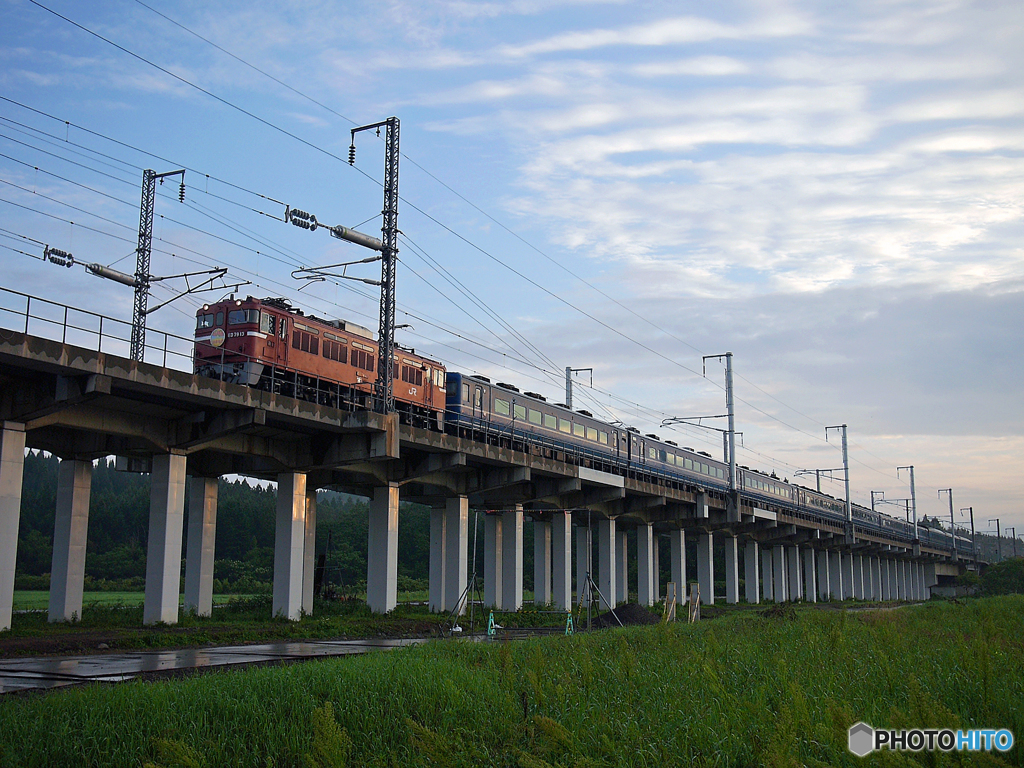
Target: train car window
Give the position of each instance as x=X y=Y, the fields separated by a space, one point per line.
x=579 y=430
x=591 y=433
x=411 y=375
x=478 y=398
x=502 y=406
x=220 y=319
x=564 y=425
x=362 y=357
x=265 y=320
x=652 y=453
x=240 y=316
x=305 y=342
x=688 y=463
x=465 y=393
x=519 y=411
x=550 y=421
x=204 y=321
x=284 y=327
x=535 y=417
x=439 y=378
x=602 y=437
x=307 y=329
x=335 y=349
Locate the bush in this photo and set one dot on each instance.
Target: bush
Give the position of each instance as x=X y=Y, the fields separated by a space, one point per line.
x=34 y=583
x=1005 y=578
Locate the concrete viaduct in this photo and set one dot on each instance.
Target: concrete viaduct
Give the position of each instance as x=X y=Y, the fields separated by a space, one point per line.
x=187 y=431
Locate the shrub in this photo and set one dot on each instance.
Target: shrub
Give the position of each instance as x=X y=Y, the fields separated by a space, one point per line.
x=1005 y=578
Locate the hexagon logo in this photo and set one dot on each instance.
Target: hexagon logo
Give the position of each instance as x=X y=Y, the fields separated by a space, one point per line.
x=861 y=739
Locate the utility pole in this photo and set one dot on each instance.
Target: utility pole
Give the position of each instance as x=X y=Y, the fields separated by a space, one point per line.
x=881 y=494
x=913 y=496
x=730 y=411
x=1014 y=535
x=144 y=251
x=974 y=538
x=385 y=394
x=846 y=472
x=569 y=371
x=999 y=540
x=952 y=523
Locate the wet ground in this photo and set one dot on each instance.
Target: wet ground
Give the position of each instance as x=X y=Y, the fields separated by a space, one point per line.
x=41 y=673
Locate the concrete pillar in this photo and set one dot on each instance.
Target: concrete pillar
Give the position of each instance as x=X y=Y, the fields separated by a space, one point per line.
x=750 y=568
x=621 y=568
x=810 y=588
x=858 y=577
x=657 y=568
x=706 y=568
x=199 y=549
x=166 y=525
x=645 y=541
x=541 y=562
x=584 y=556
x=915 y=570
x=382 y=550
x=883 y=564
x=894 y=582
x=793 y=562
x=767 y=567
x=901 y=583
x=823 y=574
x=930 y=577
x=70 y=532
x=512 y=565
x=606 y=561
x=436 y=598
x=835 y=575
x=12 y=470
x=876 y=570
x=925 y=592
x=848 y=583
x=732 y=570
x=494 y=554
x=561 y=560
x=779 y=574
x=677 y=561
x=309 y=552
x=456 y=550
x=289 y=543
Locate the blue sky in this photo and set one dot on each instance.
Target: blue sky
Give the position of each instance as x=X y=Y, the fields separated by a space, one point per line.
x=833 y=193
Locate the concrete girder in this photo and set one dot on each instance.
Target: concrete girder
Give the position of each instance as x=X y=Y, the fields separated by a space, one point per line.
x=209 y=429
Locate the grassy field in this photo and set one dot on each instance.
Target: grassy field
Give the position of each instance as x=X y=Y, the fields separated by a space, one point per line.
x=742 y=690
x=39 y=600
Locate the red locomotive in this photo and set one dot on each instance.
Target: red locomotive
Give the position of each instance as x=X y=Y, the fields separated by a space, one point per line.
x=270 y=345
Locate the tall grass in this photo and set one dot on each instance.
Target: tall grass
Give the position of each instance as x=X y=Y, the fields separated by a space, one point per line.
x=743 y=690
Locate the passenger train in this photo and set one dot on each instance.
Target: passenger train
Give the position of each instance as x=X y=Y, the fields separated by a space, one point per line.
x=268 y=344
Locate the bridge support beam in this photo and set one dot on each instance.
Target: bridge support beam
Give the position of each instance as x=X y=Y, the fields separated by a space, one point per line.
x=931 y=578
x=456 y=550
x=677 y=561
x=796 y=591
x=848 y=584
x=750 y=572
x=621 y=567
x=12 y=471
x=309 y=553
x=289 y=545
x=706 y=568
x=166 y=525
x=606 y=561
x=767 y=566
x=835 y=575
x=561 y=560
x=493 y=559
x=779 y=573
x=645 y=568
x=732 y=570
x=541 y=562
x=435 y=592
x=810 y=590
x=199 y=549
x=823 y=586
x=512 y=559
x=858 y=577
x=382 y=550
x=70 y=532
x=876 y=571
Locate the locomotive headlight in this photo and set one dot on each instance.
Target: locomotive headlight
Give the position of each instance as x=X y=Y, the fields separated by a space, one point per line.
x=205 y=307
x=238 y=302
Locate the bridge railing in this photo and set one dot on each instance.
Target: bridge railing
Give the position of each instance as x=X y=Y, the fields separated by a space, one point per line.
x=90 y=330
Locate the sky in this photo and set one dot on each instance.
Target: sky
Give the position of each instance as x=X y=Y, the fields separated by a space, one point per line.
x=831 y=192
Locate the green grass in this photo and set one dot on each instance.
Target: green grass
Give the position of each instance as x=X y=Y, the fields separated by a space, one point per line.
x=742 y=690
x=39 y=600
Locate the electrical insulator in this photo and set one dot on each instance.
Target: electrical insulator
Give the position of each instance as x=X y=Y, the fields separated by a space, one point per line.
x=58 y=257
x=181 y=193
x=352 y=154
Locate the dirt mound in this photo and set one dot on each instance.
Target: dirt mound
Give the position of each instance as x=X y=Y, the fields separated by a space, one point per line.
x=629 y=614
x=779 y=611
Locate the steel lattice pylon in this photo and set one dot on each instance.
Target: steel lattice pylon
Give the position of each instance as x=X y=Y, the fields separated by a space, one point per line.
x=145 y=250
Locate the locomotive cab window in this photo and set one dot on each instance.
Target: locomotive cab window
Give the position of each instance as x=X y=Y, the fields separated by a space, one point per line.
x=204 y=321
x=220 y=319
x=241 y=316
x=268 y=323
